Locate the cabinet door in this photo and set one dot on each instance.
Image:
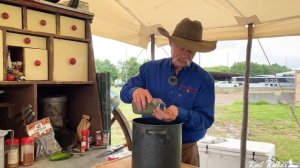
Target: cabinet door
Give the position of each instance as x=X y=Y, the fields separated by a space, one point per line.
x=14 y=39
x=70 y=60
x=10 y=16
x=1 y=56
x=41 y=22
x=72 y=27
x=35 y=64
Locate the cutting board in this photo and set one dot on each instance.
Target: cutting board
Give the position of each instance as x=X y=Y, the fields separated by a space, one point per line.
x=126 y=163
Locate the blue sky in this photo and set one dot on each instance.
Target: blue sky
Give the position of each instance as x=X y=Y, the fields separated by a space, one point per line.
x=280 y=50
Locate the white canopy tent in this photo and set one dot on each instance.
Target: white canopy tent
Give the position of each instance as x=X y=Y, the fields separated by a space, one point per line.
x=134 y=21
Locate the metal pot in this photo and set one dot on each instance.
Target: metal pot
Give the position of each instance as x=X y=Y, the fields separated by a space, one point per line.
x=156 y=144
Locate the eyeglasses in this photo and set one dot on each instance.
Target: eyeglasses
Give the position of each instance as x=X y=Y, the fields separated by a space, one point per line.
x=173 y=80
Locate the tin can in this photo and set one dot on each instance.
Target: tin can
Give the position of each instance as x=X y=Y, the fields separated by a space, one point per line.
x=98 y=138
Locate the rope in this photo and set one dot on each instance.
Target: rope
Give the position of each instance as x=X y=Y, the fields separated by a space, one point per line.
x=292 y=108
x=130 y=65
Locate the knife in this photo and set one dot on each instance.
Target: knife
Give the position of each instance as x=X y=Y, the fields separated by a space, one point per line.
x=111 y=151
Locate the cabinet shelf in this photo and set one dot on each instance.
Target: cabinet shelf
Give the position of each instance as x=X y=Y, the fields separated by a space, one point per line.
x=54 y=45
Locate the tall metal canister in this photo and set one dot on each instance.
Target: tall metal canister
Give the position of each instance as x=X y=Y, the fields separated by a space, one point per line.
x=55 y=108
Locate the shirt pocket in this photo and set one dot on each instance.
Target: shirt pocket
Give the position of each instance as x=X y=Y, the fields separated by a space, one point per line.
x=186 y=99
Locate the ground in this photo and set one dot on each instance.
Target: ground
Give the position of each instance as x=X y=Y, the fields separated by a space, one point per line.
x=228 y=130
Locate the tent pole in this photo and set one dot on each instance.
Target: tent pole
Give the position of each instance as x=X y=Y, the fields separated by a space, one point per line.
x=243 y=146
x=152 y=37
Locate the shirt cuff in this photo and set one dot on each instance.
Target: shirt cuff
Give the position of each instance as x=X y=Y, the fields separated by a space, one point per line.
x=183 y=114
x=131 y=91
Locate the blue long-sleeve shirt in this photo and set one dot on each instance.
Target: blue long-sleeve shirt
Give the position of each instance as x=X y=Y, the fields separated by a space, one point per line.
x=194 y=95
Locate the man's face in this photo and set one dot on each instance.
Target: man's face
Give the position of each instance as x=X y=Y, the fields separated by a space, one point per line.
x=181 y=57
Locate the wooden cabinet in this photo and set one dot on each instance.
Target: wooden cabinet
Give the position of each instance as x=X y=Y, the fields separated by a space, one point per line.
x=11 y=16
x=1 y=56
x=41 y=21
x=71 y=58
x=72 y=27
x=24 y=40
x=54 y=45
x=35 y=64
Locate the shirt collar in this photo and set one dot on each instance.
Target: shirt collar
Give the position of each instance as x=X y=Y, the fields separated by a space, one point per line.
x=172 y=68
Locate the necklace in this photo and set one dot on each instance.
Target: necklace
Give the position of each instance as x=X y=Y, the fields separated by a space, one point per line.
x=173 y=80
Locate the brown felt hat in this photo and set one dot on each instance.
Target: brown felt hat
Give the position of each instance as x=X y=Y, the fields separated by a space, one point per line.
x=188 y=34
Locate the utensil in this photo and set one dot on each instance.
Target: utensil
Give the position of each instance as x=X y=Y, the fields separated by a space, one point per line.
x=111 y=151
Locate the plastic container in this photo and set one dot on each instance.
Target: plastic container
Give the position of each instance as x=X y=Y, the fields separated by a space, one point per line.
x=12 y=152
x=216 y=152
x=27 y=151
x=84 y=140
x=3 y=133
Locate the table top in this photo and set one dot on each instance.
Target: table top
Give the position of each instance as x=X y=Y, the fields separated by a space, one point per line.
x=89 y=159
x=126 y=163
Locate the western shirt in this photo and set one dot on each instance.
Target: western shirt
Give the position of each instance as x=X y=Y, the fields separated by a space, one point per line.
x=194 y=94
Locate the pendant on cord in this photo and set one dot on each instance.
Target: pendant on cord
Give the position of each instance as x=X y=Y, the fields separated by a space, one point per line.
x=173 y=80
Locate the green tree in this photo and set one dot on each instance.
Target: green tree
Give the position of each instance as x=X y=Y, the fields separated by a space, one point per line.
x=218 y=69
x=258 y=69
x=106 y=66
x=128 y=68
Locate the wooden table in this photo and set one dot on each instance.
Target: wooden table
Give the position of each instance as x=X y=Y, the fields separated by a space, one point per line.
x=126 y=163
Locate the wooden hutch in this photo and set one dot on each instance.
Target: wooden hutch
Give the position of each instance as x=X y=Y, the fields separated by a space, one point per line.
x=54 y=43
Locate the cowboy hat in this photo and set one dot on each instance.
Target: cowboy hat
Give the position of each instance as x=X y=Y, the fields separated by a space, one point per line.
x=188 y=34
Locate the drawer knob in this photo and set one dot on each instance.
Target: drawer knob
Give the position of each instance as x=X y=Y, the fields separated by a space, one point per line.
x=74 y=27
x=73 y=61
x=27 y=40
x=43 y=22
x=5 y=15
x=37 y=62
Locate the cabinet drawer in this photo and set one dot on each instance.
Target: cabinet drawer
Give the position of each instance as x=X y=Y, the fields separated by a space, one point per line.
x=10 y=16
x=41 y=22
x=72 y=27
x=14 y=39
x=70 y=60
x=1 y=56
x=35 y=64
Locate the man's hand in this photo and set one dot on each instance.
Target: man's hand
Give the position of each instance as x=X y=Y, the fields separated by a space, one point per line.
x=141 y=97
x=167 y=115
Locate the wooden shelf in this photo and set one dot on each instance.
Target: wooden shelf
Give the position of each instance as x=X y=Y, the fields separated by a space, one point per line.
x=65 y=70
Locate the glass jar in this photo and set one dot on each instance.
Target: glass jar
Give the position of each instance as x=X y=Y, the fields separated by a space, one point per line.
x=27 y=151
x=156 y=102
x=12 y=152
x=98 y=138
x=105 y=137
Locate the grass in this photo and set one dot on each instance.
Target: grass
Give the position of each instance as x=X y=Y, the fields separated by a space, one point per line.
x=266 y=123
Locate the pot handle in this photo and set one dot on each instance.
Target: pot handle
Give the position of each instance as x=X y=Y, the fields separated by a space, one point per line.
x=156 y=132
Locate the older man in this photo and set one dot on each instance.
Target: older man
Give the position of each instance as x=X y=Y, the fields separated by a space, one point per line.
x=186 y=88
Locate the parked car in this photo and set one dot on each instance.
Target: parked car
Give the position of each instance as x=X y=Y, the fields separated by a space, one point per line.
x=119 y=83
x=225 y=84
